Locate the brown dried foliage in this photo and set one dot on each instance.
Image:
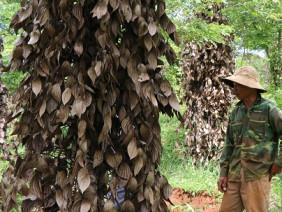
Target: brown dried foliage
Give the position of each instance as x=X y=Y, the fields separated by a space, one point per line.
x=217 y=16
x=88 y=109
x=206 y=97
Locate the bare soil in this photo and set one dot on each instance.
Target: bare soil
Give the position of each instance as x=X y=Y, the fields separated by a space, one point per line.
x=200 y=202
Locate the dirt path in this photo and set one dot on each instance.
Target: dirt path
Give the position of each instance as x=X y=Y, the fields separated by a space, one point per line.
x=184 y=201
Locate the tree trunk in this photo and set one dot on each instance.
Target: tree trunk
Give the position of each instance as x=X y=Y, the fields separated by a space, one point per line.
x=267 y=52
x=279 y=40
x=3 y=101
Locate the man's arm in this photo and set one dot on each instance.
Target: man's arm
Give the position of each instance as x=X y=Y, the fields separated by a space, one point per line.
x=275 y=118
x=225 y=158
x=226 y=152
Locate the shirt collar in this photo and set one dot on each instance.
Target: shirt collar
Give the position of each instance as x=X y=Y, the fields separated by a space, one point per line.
x=258 y=100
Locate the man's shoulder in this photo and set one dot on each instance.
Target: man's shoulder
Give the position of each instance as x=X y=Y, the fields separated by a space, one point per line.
x=236 y=109
x=266 y=103
x=263 y=105
x=237 y=106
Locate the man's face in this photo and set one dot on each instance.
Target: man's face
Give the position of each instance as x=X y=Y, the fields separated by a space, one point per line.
x=242 y=92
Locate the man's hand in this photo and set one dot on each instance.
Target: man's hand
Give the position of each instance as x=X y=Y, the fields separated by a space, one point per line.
x=222 y=184
x=275 y=169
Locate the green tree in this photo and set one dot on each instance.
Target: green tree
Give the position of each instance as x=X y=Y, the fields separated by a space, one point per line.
x=257 y=25
x=190 y=26
x=8 y=8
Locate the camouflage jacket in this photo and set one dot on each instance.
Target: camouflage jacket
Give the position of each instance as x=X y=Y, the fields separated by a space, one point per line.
x=252 y=141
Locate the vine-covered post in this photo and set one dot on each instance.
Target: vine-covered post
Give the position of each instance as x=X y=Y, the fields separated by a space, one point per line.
x=206 y=97
x=87 y=112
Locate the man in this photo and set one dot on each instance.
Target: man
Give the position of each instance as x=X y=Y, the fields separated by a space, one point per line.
x=250 y=155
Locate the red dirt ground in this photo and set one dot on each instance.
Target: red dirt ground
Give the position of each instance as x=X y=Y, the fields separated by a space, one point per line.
x=201 y=202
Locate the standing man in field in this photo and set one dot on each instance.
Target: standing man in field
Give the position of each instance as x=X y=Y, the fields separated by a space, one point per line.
x=251 y=155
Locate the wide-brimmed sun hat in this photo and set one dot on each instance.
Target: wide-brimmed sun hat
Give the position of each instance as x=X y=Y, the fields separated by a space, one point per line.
x=246 y=75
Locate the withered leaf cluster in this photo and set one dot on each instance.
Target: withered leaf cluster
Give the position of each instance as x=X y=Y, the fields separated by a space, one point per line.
x=88 y=109
x=216 y=17
x=205 y=95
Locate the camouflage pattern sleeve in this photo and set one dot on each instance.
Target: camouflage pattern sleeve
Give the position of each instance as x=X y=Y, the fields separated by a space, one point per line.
x=275 y=118
x=227 y=151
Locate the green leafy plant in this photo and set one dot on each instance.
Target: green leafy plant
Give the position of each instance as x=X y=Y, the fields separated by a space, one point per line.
x=183 y=208
x=276 y=68
x=13 y=80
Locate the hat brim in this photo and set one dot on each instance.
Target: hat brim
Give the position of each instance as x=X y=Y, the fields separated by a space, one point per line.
x=243 y=81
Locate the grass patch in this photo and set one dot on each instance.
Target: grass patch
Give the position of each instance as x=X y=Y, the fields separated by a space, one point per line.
x=177 y=166
x=182 y=174
x=276 y=194
x=183 y=208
